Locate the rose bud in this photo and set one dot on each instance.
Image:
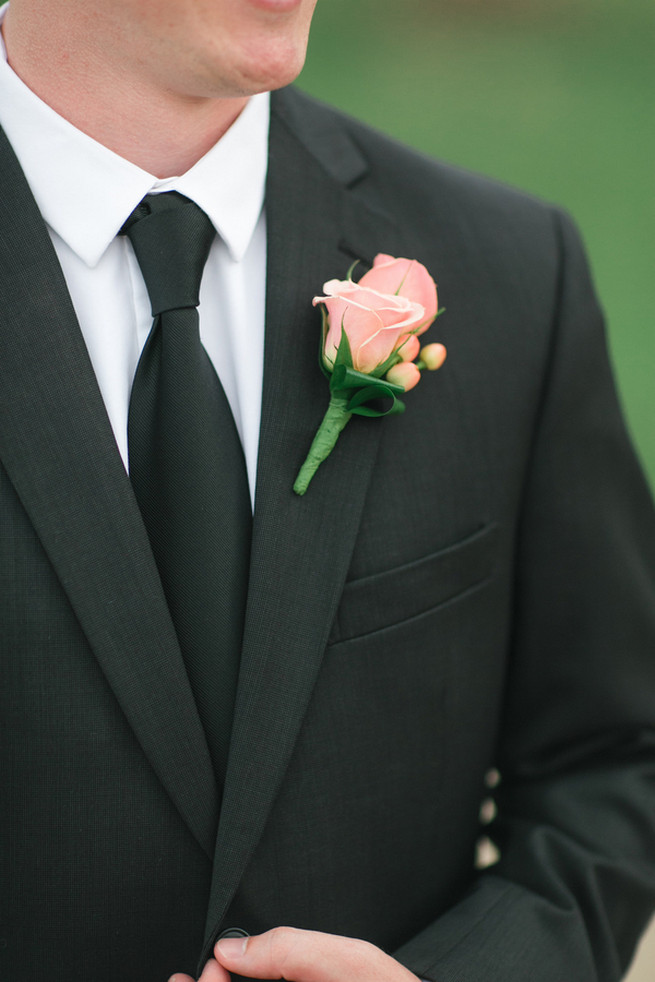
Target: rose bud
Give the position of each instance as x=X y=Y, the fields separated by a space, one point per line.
x=408 y=350
x=405 y=373
x=433 y=356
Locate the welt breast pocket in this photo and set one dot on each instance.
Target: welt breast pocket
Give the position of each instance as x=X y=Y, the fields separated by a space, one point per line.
x=389 y=598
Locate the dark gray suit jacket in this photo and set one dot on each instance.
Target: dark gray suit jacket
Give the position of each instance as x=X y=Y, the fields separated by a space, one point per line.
x=469 y=585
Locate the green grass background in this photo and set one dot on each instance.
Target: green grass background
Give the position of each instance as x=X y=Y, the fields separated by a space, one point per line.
x=553 y=96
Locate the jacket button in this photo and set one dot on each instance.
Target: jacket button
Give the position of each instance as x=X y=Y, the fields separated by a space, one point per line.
x=233 y=932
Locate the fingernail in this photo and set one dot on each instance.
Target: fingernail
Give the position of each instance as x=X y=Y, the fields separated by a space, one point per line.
x=232 y=947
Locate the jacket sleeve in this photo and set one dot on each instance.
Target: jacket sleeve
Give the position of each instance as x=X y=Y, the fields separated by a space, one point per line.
x=575 y=823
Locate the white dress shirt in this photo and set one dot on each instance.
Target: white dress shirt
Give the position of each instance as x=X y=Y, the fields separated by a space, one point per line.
x=85 y=192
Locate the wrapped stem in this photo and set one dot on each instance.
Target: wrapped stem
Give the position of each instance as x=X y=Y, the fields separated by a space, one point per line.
x=323 y=443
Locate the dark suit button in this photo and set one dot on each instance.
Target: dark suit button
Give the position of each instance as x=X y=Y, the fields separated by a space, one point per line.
x=233 y=932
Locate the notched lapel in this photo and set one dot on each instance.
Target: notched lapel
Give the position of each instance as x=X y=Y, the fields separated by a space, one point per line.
x=57 y=446
x=301 y=546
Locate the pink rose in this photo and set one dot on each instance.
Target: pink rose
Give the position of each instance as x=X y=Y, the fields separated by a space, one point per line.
x=393 y=302
x=407 y=278
x=372 y=328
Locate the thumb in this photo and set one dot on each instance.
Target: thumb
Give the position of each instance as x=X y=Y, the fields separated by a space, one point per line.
x=308 y=956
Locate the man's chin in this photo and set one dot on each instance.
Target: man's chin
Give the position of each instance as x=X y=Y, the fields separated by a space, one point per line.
x=261 y=77
x=276 y=6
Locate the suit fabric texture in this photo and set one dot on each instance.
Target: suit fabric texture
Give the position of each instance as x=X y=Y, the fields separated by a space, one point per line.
x=470 y=585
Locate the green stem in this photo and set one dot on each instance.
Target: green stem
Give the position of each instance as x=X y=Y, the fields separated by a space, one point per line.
x=323 y=443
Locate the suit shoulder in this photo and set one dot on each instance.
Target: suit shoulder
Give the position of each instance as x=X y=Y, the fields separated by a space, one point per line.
x=417 y=189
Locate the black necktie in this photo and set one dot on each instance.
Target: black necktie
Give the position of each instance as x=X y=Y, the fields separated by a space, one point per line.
x=186 y=462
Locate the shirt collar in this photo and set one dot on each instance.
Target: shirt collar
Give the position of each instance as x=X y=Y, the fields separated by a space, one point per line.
x=73 y=177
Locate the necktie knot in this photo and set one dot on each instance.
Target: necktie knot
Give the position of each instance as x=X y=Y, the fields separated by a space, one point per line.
x=171 y=237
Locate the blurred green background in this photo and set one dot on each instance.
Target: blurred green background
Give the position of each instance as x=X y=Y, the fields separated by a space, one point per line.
x=553 y=96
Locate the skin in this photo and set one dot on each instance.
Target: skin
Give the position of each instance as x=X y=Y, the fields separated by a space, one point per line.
x=159 y=82
x=300 y=956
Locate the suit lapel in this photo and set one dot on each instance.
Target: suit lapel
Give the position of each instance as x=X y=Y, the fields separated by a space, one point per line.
x=58 y=449
x=301 y=546
x=57 y=446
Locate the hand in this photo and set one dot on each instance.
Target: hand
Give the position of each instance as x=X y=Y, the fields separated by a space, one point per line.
x=301 y=956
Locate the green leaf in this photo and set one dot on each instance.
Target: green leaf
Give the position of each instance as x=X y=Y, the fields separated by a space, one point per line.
x=344 y=354
x=344 y=379
x=393 y=359
x=402 y=282
x=349 y=274
x=321 y=348
x=360 y=401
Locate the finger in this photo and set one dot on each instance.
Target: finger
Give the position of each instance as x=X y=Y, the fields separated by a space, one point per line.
x=308 y=956
x=213 y=972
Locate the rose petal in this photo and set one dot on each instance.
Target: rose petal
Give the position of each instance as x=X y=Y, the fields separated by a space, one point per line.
x=376 y=349
x=371 y=341
x=359 y=323
x=407 y=278
x=387 y=274
x=421 y=288
x=393 y=311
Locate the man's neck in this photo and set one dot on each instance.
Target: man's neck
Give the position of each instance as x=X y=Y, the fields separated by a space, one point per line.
x=159 y=130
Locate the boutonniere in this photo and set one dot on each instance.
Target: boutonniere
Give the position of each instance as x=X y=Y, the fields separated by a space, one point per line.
x=370 y=349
